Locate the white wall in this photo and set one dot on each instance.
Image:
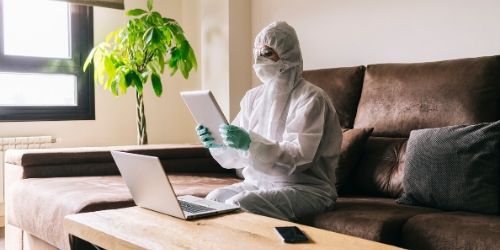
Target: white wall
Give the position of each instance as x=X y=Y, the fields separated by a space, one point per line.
x=335 y=33
x=215 y=47
x=240 y=52
x=226 y=51
x=168 y=121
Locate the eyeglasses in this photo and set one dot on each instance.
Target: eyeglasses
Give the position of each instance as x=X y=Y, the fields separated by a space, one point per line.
x=265 y=52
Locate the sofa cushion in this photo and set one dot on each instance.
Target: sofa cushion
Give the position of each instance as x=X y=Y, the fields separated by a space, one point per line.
x=343 y=86
x=454 y=168
x=380 y=171
x=353 y=143
x=38 y=205
x=398 y=98
x=453 y=230
x=378 y=219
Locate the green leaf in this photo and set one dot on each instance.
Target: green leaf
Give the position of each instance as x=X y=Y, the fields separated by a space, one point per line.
x=192 y=58
x=108 y=83
x=177 y=32
x=137 y=79
x=156 y=36
x=122 y=83
x=133 y=78
x=139 y=86
x=157 y=19
x=113 y=88
x=135 y=12
x=172 y=62
x=99 y=69
x=89 y=59
x=189 y=65
x=128 y=79
x=148 y=35
x=184 y=49
x=144 y=76
x=122 y=37
x=169 y=20
x=183 y=69
x=154 y=66
x=112 y=35
x=150 y=5
x=174 y=53
x=161 y=61
x=108 y=65
x=116 y=82
x=168 y=37
x=157 y=85
x=152 y=36
x=173 y=70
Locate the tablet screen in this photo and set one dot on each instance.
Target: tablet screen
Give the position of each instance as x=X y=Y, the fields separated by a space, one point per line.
x=205 y=111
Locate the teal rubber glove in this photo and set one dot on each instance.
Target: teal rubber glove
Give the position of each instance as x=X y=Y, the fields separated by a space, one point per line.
x=235 y=136
x=206 y=137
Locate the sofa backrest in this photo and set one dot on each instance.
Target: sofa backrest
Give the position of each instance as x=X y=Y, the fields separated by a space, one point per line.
x=343 y=86
x=398 y=98
x=97 y=161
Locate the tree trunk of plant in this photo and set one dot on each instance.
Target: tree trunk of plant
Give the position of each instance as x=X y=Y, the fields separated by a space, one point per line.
x=142 y=135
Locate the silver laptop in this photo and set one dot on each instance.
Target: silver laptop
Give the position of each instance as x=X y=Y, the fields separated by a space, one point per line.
x=151 y=189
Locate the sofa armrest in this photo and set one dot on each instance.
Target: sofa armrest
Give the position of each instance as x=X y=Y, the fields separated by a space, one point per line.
x=97 y=161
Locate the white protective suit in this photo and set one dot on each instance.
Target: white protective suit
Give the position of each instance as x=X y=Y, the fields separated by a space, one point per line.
x=295 y=137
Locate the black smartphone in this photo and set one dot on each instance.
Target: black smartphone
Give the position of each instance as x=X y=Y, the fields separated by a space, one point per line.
x=291 y=234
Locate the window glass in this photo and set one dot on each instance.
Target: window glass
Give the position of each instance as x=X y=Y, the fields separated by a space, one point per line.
x=43 y=44
x=37 y=90
x=36 y=28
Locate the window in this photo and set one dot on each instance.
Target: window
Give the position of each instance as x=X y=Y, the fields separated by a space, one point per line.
x=43 y=45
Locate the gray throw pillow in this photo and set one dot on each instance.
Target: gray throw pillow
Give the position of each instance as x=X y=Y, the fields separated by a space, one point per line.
x=454 y=168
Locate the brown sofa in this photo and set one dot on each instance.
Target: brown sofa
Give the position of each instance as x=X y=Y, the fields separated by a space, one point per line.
x=45 y=185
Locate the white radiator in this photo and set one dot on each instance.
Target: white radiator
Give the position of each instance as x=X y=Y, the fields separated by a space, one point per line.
x=26 y=142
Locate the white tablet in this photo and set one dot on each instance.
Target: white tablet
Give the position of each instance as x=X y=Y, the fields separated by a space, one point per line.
x=205 y=111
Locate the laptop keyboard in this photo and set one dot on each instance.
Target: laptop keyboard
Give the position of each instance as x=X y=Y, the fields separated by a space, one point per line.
x=193 y=208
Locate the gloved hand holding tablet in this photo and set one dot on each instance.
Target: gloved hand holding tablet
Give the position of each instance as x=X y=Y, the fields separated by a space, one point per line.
x=207 y=113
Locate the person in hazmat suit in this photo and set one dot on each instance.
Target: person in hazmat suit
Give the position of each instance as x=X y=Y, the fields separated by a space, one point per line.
x=286 y=138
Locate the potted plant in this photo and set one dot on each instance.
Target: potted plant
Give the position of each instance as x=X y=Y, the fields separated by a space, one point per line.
x=139 y=52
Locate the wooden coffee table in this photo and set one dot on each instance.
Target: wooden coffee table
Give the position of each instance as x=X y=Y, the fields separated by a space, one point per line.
x=137 y=228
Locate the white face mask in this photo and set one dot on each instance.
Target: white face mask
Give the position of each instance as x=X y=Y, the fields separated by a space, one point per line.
x=276 y=74
x=266 y=69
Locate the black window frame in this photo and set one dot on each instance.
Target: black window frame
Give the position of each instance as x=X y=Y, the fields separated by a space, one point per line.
x=81 y=40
